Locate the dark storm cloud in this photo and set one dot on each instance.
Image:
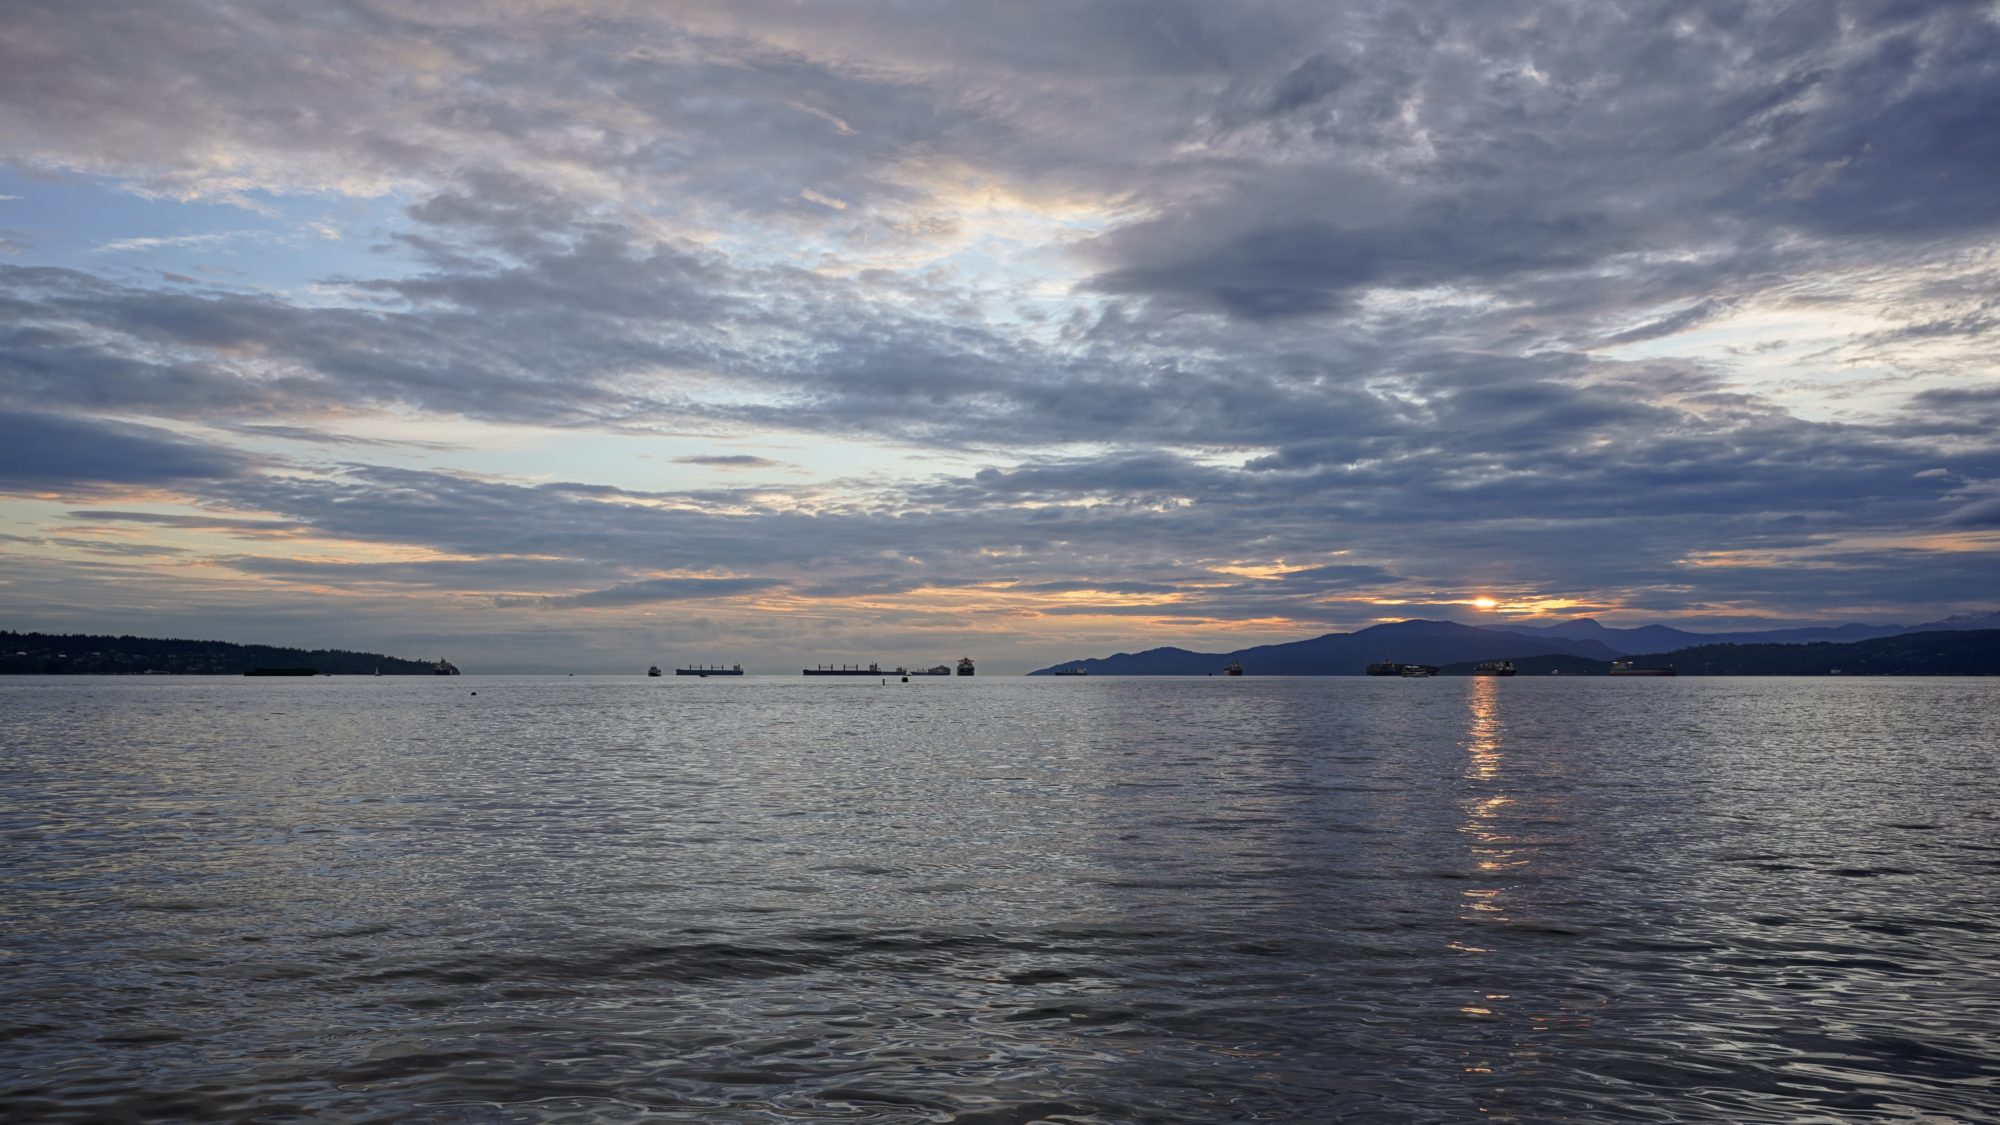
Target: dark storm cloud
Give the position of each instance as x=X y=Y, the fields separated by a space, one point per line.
x=1979 y=514
x=1560 y=136
x=312 y=436
x=47 y=451
x=730 y=461
x=498 y=573
x=202 y=523
x=114 y=548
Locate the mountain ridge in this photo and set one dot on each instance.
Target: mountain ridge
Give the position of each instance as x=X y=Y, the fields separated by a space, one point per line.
x=1420 y=641
x=1943 y=652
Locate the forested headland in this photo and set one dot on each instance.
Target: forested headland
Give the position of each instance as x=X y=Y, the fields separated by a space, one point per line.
x=84 y=654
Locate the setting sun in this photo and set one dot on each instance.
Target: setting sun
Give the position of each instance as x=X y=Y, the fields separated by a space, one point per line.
x=1484 y=602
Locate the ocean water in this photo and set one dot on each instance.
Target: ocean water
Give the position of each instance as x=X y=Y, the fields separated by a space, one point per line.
x=999 y=900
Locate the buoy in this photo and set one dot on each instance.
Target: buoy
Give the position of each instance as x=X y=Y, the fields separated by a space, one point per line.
x=475 y=693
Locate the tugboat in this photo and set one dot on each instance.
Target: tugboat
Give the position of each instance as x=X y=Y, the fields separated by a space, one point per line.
x=1626 y=668
x=653 y=670
x=704 y=671
x=1232 y=669
x=1079 y=671
x=965 y=666
x=1494 y=668
x=444 y=668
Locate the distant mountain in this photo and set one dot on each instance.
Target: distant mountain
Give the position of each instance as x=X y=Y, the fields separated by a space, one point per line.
x=1343 y=654
x=1944 y=652
x=1448 y=642
x=1648 y=639
x=1960 y=621
x=80 y=654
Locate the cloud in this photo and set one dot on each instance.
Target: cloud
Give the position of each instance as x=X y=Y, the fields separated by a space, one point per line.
x=142 y=244
x=1655 y=305
x=41 y=451
x=650 y=591
x=730 y=461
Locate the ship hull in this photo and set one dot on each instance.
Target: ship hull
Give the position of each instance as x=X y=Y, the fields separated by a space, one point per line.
x=706 y=672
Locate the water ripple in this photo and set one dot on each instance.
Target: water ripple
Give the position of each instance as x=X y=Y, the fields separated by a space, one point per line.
x=999 y=901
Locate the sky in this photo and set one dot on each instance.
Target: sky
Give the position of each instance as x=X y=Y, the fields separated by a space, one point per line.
x=580 y=336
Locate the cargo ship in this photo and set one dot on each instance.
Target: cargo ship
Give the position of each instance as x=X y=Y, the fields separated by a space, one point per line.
x=1626 y=668
x=854 y=670
x=653 y=670
x=444 y=668
x=1071 y=672
x=1232 y=669
x=1494 y=668
x=705 y=671
x=965 y=666
x=933 y=670
x=1392 y=668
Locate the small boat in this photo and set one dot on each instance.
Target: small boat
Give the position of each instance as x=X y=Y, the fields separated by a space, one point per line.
x=1627 y=668
x=1072 y=672
x=965 y=666
x=1232 y=669
x=705 y=670
x=653 y=670
x=1494 y=668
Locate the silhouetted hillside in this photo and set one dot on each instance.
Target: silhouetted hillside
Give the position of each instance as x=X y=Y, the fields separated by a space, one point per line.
x=1959 y=653
x=1341 y=654
x=1943 y=653
x=79 y=654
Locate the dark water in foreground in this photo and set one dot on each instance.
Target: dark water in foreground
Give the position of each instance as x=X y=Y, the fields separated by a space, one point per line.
x=999 y=900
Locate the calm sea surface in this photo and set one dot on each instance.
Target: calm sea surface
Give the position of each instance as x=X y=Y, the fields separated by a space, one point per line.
x=999 y=900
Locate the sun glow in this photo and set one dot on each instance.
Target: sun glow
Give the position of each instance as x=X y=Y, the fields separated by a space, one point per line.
x=1484 y=602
